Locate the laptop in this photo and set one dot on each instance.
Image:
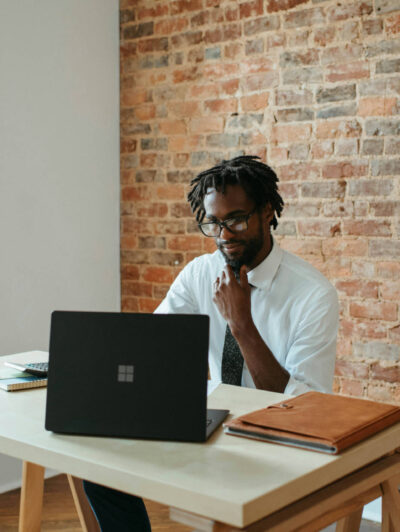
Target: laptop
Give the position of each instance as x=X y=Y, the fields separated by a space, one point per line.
x=130 y=376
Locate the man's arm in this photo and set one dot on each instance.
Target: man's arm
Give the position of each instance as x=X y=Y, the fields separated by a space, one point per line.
x=310 y=361
x=233 y=301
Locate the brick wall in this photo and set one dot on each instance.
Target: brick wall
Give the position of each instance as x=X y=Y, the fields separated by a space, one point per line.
x=311 y=86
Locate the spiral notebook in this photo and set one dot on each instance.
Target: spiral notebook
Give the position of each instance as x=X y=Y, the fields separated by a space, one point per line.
x=11 y=380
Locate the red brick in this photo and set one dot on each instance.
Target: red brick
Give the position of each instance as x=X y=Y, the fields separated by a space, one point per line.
x=187 y=74
x=148 y=160
x=200 y=19
x=222 y=106
x=129 y=304
x=172 y=127
x=388 y=373
x=185 y=143
x=171 y=25
x=185 y=109
x=253 y=8
x=158 y=10
x=337 y=55
x=289 y=190
x=356 y=70
x=254 y=102
x=377 y=106
x=185 y=243
x=338 y=128
x=128 y=242
x=152 y=210
x=181 y=159
x=298 y=171
x=277 y=154
x=394 y=332
x=229 y=32
x=128 y=145
x=350 y=9
x=212 y=124
x=352 y=388
x=322 y=150
x=372 y=26
x=283 y=5
x=181 y=6
x=357 y=370
x=285 y=133
x=157 y=274
x=392 y=24
x=349 y=247
x=379 y=393
x=305 y=17
x=345 y=169
x=362 y=329
x=153 y=45
x=260 y=82
x=134 y=288
x=389 y=270
x=170 y=192
x=367 y=228
x=131 y=97
x=358 y=288
x=135 y=193
x=220 y=71
x=233 y=50
x=129 y=272
x=148 y=305
x=231 y=13
x=318 y=228
x=256 y=64
x=229 y=87
x=390 y=290
x=293 y=97
x=378 y=310
x=325 y=35
x=217 y=15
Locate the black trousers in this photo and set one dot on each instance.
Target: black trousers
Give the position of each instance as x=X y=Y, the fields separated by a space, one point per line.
x=117 y=511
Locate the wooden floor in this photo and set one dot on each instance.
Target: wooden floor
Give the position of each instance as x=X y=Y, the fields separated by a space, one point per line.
x=59 y=511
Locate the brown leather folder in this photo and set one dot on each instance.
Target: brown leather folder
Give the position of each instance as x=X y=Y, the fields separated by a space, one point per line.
x=316 y=421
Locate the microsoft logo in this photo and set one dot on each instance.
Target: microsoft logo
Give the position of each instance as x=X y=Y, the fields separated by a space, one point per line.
x=125 y=373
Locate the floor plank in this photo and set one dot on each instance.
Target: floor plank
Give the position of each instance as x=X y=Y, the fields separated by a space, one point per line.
x=59 y=512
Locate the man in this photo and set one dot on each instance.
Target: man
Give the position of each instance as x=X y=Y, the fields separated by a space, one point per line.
x=273 y=317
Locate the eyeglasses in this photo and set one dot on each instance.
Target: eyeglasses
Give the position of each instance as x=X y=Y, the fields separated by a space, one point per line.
x=236 y=224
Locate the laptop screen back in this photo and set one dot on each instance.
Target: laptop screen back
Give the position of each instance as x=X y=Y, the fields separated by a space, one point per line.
x=128 y=375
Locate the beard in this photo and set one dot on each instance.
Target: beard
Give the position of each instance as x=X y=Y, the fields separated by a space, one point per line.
x=251 y=248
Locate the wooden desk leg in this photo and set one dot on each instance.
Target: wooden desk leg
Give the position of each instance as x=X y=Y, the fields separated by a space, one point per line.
x=30 y=510
x=390 y=506
x=86 y=516
x=350 y=522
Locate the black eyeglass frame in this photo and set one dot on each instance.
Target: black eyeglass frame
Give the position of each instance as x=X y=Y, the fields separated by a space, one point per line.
x=242 y=218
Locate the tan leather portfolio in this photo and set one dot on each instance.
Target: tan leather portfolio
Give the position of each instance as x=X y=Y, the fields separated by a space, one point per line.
x=316 y=421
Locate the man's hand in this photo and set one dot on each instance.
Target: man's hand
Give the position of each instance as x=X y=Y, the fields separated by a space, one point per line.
x=232 y=298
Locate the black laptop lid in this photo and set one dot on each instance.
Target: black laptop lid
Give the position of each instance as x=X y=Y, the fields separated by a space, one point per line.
x=128 y=375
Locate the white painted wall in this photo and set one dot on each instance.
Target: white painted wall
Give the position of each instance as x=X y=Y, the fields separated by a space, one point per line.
x=59 y=168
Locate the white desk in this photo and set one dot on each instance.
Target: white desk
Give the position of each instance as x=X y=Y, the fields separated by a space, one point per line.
x=226 y=480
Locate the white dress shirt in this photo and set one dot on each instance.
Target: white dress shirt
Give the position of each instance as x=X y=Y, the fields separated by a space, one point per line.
x=294 y=307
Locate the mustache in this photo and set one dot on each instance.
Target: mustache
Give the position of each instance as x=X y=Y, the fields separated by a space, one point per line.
x=227 y=242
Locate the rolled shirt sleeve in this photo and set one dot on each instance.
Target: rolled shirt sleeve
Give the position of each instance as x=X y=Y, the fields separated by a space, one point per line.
x=311 y=357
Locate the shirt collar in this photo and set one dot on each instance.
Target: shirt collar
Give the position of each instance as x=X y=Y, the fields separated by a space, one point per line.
x=263 y=274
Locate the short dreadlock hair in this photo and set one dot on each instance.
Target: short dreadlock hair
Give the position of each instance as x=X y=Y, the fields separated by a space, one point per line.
x=257 y=179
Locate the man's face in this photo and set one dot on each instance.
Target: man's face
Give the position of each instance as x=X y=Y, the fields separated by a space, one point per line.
x=248 y=247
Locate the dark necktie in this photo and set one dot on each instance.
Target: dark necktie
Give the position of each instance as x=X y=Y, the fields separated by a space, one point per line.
x=232 y=360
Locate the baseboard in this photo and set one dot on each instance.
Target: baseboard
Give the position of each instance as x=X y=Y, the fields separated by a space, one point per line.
x=16 y=482
x=373 y=511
